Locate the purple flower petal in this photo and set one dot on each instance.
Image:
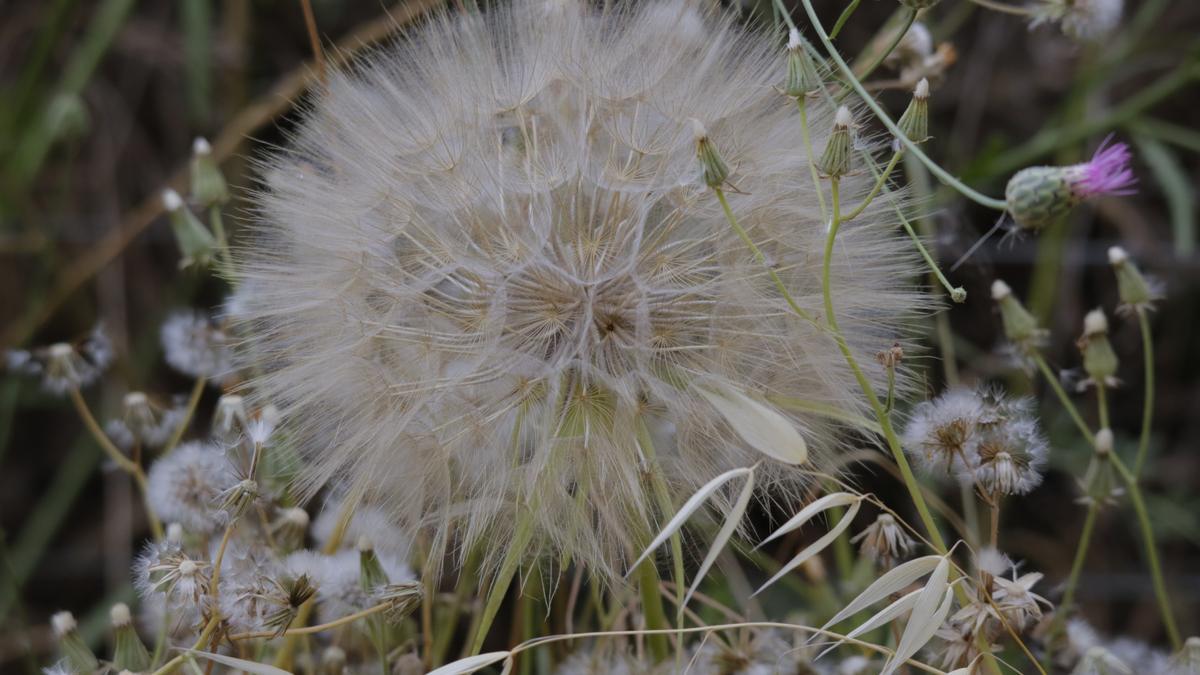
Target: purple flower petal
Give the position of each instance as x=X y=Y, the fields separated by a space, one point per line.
x=1108 y=171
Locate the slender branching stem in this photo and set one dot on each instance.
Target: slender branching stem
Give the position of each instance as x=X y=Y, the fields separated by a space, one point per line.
x=114 y=453
x=758 y=255
x=1148 y=540
x=806 y=137
x=1081 y=552
x=209 y=629
x=909 y=18
x=310 y=630
x=841 y=20
x=880 y=181
x=189 y=412
x=1067 y=403
x=857 y=86
x=1147 y=393
x=1102 y=404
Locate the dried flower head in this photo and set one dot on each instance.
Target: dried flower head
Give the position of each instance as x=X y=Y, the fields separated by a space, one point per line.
x=1008 y=458
x=186 y=486
x=1083 y=20
x=491 y=270
x=143 y=420
x=884 y=541
x=941 y=432
x=1042 y=195
x=166 y=568
x=194 y=345
x=1100 y=661
x=64 y=366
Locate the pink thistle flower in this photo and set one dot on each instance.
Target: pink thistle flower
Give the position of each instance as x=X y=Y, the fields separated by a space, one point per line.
x=1108 y=172
x=1042 y=195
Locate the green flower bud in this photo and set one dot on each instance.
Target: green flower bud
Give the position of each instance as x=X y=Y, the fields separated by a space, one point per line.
x=1020 y=327
x=802 y=76
x=835 y=161
x=914 y=123
x=715 y=169
x=129 y=653
x=71 y=644
x=1100 y=484
x=1133 y=288
x=371 y=574
x=1040 y=196
x=1099 y=359
x=195 y=242
x=208 y=184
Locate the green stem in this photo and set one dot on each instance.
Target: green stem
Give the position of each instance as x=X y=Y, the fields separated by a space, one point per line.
x=1148 y=393
x=802 y=104
x=841 y=20
x=224 y=257
x=189 y=412
x=1102 y=404
x=1156 y=575
x=758 y=255
x=1081 y=551
x=1069 y=405
x=666 y=507
x=957 y=293
x=652 y=610
x=910 y=480
x=879 y=183
x=909 y=19
x=504 y=577
x=942 y=174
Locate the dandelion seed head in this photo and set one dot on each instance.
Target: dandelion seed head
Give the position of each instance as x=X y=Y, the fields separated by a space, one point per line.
x=62 y=667
x=1082 y=20
x=195 y=346
x=62 y=623
x=489 y=267
x=186 y=486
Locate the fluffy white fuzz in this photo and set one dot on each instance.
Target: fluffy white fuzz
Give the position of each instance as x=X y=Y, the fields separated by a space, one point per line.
x=195 y=346
x=185 y=486
x=487 y=273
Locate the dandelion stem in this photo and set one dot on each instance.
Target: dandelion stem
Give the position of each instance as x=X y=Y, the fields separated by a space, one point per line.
x=652 y=609
x=504 y=577
x=114 y=453
x=1147 y=393
x=1148 y=540
x=841 y=20
x=1102 y=404
x=189 y=412
x=209 y=629
x=881 y=179
x=806 y=137
x=663 y=497
x=1062 y=396
x=909 y=19
x=942 y=174
x=758 y=254
x=1081 y=551
x=310 y=630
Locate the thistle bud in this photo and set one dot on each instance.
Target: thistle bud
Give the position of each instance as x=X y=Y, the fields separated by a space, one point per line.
x=914 y=123
x=208 y=184
x=1135 y=291
x=71 y=644
x=835 y=161
x=1020 y=327
x=1042 y=195
x=802 y=76
x=196 y=243
x=1099 y=359
x=128 y=651
x=715 y=169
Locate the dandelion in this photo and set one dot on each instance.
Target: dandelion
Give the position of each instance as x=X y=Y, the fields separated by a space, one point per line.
x=144 y=421
x=338 y=579
x=367 y=521
x=64 y=366
x=884 y=540
x=941 y=432
x=186 y=486
x=1008 y=459
x=165 y=568
x=1083 y=20
x=491 y=270
x=1042 y=195
x=195 y=346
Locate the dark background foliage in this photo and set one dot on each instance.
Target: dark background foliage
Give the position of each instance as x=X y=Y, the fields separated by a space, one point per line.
x=100 y=101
